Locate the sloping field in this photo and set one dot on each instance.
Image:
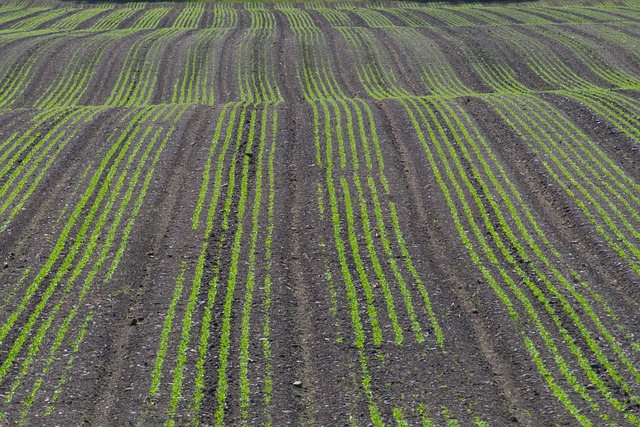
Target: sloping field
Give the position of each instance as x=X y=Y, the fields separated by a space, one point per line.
x=322 y=214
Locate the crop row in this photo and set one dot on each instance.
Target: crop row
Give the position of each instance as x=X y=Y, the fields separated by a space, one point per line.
x=237 y=189
x=195 y=16
x=49 y=312
x=136 y=80
x=514 y=259
x=213 y=348
x=379 y=292
x=134 y=85
x=233 y=193
x=105 y=17
x=605 y=194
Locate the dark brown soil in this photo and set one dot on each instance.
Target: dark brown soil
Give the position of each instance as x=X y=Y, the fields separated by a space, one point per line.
x=291 y=254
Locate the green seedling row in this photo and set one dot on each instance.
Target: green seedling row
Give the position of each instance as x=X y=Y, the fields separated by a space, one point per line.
x=71 y=22
x=189 y=17
x=71 y=86
x=195 y=87
x=93 y=237
x=19 y=74
x=447 y=17
x=266 y=325
x=176 y=390
x=14 y=15
x=113 y=20
x=40 y=19
x=615 y=402
x=151 y=18
x=372 y=115
x=137 y=80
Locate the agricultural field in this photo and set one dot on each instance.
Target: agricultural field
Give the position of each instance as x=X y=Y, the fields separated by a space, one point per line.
x=320 y=214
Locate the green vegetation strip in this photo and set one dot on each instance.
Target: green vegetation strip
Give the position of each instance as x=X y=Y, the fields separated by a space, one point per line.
x=37 y=341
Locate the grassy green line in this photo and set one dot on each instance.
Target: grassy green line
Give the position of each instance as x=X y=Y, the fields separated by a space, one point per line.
x=40 y=19
x=213 y=285
x=92 y=244
x=364 y=280
x=250 y=283
x=30 y=400
x=164 y=336
x=266 y=326
x=382 y=280
x=15 y=15
x=71 y=22
x=195 y=87
x=151 y=18
x=484 y=245
x=359 y=334
x=190 y=16
x=75 y=348
x=29 y=179
x=45 y=149
x=71 y=86
x=64 y=237
x=19 y=74
x=181 y=359
x=568 y=308
x=113 y=19
x=206 y=173
x=225 y=340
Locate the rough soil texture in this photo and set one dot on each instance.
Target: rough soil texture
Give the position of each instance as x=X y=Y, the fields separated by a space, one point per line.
x=319 y=215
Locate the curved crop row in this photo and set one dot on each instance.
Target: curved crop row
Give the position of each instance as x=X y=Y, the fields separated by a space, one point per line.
x=189 y=17
x=606 y=195
x=325 y=91
x=117 y=189
x=411 y=18
x=113 y=20
x=150 y=19
x=20 y=70
x=137 y=79
x=26 y=158
x=224 y=16
x=617 y=108
x=256 y=76
x=447 y=17
x=228 y=207
x=389 y=113
x=69 y=88
x=71 y=22
x=24 y=12
x=377 y=287
x=195 y=86
x=246 y=132
x=438 y=75
x=507 y=241
x=40 y=19
x=373 y=18
x=433 y=116
x=521 y=16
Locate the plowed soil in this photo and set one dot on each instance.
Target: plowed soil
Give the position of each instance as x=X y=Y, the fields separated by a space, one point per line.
x=320 y=214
